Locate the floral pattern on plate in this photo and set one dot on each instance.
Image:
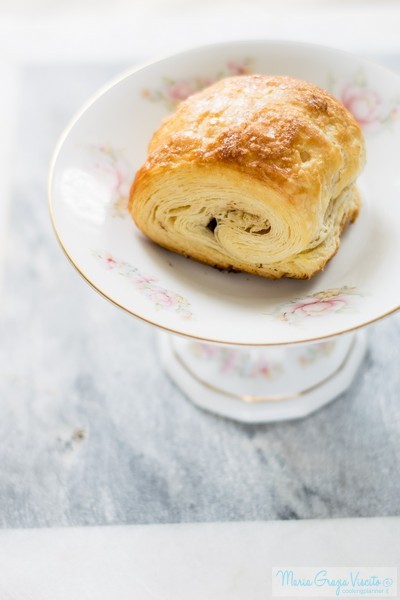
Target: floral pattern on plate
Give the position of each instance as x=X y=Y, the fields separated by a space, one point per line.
x=162 y=298
x=175 y=90
x=318 y=304
x=236 y=362
x=315 y=352
x=366 y=104
x=111 y=167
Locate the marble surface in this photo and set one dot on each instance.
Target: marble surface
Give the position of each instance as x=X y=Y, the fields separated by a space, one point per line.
x=92 y=432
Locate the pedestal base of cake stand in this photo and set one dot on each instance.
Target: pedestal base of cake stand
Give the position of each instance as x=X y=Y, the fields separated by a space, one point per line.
x=256 y=384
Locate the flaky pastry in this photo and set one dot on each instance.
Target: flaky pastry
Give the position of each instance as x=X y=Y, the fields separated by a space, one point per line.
x=255 y=174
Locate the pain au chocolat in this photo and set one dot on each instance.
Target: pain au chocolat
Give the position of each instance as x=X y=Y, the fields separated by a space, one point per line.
x=255 y=174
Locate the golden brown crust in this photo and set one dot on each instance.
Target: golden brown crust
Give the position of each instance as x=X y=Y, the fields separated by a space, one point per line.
x=284 y=146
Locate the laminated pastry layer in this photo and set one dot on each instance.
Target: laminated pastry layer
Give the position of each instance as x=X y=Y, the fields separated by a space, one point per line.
x=254 y=173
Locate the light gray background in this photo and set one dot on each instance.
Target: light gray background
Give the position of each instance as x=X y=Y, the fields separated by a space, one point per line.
x=93 y=432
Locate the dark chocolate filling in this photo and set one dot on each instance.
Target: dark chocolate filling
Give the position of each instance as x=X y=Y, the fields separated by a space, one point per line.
x=212 y=224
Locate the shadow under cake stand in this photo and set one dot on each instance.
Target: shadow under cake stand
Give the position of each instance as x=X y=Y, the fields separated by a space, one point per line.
x=238 y=345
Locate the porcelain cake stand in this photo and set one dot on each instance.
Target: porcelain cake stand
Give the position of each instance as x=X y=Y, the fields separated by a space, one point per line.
x=238 y=345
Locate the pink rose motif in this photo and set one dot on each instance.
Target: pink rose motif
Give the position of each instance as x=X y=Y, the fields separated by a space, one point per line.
x=162 y=297
x=113 y=172
x=208 y=350
x=180 y=90
x=110 y=262
x=236 y=68
x=122 y=181
x=173 y=92
x=317 y=307
x=363 y=103
x=263 y=368
x=319 y=304
x=228 y=361
x=143 y=279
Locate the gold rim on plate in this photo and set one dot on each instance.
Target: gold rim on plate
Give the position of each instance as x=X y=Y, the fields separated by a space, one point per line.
x=127 y=73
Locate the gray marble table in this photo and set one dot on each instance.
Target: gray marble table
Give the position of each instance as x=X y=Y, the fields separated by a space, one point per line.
x=93 y=432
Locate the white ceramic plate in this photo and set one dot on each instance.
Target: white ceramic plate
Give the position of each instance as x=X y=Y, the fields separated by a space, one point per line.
x=96 y=159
